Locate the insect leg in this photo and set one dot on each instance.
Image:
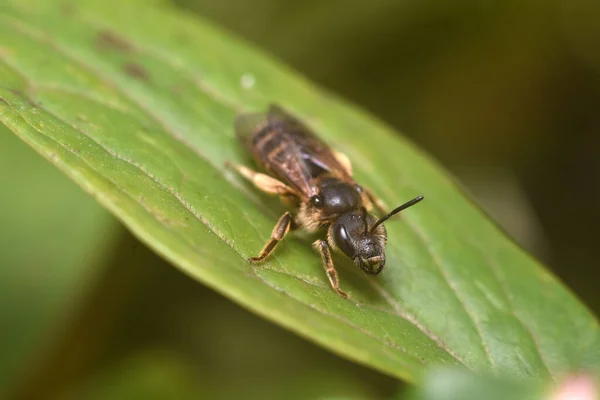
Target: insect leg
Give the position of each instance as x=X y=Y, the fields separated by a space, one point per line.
x=263 y=182
x=285 y=223
x=375 y=201
x=344 y=160
x=323 y=249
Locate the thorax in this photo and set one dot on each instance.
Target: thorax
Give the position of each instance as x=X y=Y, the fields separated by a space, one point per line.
x=336 y=197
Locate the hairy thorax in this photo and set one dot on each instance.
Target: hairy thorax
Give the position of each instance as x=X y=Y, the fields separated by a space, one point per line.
x=335 y=197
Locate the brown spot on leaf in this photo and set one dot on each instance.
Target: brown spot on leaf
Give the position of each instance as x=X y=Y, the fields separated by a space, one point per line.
x=177 y=89
x=17 y=92
x=136 y=71
x=109 y=41
x=182 y=38
x=67 y=9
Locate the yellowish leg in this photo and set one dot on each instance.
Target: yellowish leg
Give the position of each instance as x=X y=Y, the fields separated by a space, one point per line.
x=285 y=223
x=344 y=160
x=323 y=249
x=264 y=182
x=375 y=202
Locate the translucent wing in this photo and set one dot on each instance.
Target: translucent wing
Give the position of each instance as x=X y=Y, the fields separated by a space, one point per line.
x=316 y=154
x=288 y=149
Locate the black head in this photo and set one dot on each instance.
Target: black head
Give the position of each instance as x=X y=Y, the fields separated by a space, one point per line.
x=350 y=233
x=362 y=237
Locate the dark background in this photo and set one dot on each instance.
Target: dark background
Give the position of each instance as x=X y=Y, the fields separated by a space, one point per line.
x=505 y=96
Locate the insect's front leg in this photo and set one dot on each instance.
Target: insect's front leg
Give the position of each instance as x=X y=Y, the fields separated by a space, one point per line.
x=321 y=246
x=283 y=226
x=370 y=197
x=344 y=161
x=382 y=209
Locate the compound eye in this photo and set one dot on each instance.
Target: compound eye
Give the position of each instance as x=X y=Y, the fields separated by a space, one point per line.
x=342 y=240
x=316 y=201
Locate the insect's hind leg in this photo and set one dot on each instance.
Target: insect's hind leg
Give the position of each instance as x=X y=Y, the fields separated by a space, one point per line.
x=321 y=246
x=283 y=226
x=264 y=182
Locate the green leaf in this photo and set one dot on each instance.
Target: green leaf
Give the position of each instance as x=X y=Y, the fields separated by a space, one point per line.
x=452 y=384
x=46 y=265
x=136 y=102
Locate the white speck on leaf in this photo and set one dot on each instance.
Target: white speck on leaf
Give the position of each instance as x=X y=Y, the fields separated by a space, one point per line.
x=247 y=81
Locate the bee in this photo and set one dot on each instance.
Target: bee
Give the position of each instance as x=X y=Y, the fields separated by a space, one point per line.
x=317 y=181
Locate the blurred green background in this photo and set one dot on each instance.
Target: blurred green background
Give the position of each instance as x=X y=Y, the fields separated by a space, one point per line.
x=506 y=96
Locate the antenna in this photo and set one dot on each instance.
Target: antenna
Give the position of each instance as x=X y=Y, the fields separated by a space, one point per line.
x=397 y=210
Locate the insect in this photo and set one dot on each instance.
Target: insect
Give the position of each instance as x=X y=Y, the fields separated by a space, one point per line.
x=317 y=181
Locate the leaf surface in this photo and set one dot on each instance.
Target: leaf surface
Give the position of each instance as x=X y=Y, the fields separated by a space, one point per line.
x=136 y=102
x=452 y=384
